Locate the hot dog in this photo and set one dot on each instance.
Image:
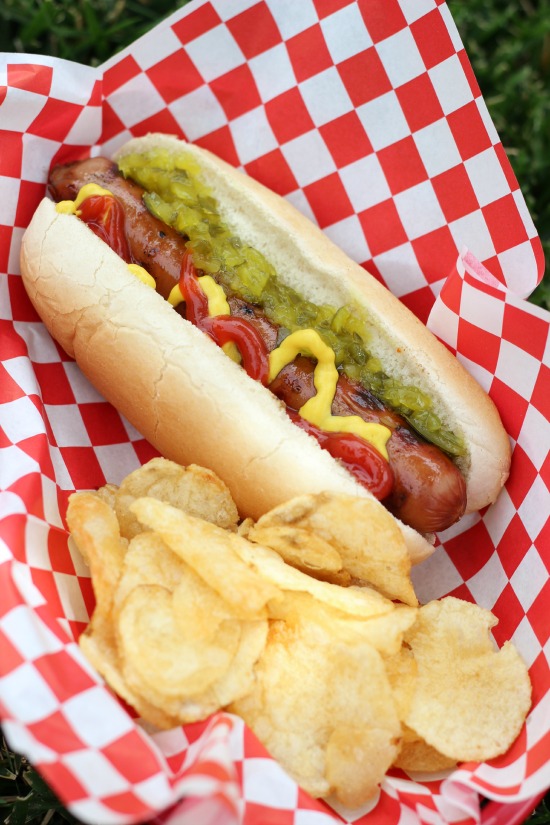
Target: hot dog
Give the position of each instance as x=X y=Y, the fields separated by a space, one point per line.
x=382 y=352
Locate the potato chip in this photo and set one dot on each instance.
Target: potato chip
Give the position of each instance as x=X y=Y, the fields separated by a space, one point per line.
x=293 y=622
x=384 y=632
x=357 y=759
x=364 y=535
x=239 y=679
x=244 y=528
x=236 y=682
x=148 y=560
x=99 y=646
x=180 y=673
x=213 y=553
x=198 y=609
x=359 y=601
x=470 y=699
x=402 y=672
x=416 y=756
x=107 y=493
x=160 y=660
x=136 y=668
x=194 y=489
x=317 y=704
x=95 y=531
x=298 y=547
x=340 y=577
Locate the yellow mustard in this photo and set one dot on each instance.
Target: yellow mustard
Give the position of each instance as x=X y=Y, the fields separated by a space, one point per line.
x=217 y=302
x=86 y=191
x=175 y=296
x=142 y=275
x=217 y=305
x=325 y=377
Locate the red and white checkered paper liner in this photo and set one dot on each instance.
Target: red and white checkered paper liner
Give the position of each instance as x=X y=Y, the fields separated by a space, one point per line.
x=367 y=116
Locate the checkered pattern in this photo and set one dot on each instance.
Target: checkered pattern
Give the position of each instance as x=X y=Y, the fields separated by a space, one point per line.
x=421 y=171
x=367 y=116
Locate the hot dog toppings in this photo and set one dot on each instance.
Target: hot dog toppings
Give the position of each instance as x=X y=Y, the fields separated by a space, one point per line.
x=176 y=195
x=207 y=308
x=98 y=208
x=232 y=293
x=225 y=331
x=105 y=216
x=360 y=457
x=318 y=409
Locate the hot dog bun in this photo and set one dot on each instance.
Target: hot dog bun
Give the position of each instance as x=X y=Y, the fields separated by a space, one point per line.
x=192 y=402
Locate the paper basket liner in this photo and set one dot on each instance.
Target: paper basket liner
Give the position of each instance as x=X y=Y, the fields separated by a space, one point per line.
x=367 y=116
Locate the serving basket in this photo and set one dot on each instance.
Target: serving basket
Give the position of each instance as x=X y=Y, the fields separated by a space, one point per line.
x=367 y=116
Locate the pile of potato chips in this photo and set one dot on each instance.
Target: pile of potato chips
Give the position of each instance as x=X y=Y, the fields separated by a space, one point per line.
x=304 y=623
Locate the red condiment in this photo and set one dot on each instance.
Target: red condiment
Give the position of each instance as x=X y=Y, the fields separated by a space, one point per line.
x=105 y=217
x=360 y=458
x=223 y=328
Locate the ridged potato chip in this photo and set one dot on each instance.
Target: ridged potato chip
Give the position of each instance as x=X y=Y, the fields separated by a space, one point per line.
x=470 y=699
x=324 y=709
x=193 y=489
x=212 y=552
x=304 y=623
x=363 y=534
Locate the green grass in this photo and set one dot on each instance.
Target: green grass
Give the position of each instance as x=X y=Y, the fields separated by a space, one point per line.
x=24 y=796
x=508 y=42
x=88 y=31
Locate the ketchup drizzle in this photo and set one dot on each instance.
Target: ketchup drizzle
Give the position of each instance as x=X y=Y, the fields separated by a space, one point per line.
x=223 y=328
x=196 y=301
x=360 y=458
x=105 y=217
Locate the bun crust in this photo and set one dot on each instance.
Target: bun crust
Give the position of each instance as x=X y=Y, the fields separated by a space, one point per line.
x=196 y=405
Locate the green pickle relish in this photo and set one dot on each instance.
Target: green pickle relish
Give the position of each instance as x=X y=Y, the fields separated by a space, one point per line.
x=176 y=195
